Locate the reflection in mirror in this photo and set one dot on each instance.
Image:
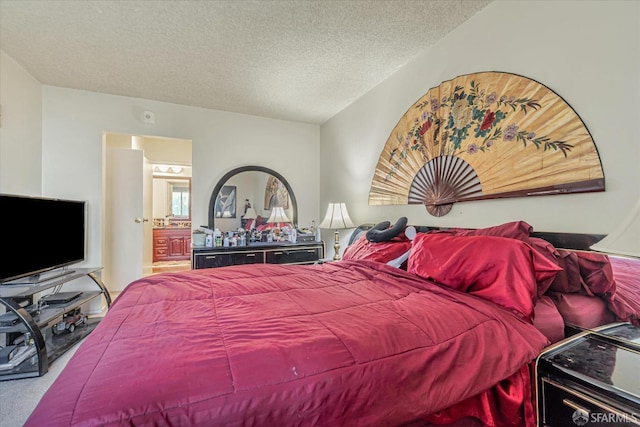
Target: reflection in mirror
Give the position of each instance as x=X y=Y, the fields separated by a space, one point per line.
x=256 y=190
x=171 y=201
x=276 y=194
x=179 y=199
x=226 y=202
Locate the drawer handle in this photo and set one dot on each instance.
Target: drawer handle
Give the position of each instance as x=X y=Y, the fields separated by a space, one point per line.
x=278 y=253
x=581 y=409
x=211 y=257
x=252 y=255
x=311 y=251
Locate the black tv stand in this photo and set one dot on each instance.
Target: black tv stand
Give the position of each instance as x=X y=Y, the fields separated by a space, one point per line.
x=29 y=325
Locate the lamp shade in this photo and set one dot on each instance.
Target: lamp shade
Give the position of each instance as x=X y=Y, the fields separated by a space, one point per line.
x=337 y=217
x=250 y=214
x=277 y=216
x=624 y=239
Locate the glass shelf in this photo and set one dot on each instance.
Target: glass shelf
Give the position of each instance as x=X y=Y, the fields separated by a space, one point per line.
x=28 y=327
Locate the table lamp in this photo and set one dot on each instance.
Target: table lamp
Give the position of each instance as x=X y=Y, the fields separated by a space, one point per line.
x=250 y=214
x=278 y=216
x=624 y=239
x=336 y=218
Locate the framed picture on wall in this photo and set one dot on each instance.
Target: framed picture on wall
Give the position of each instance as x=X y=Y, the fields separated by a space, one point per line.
x=226 y=202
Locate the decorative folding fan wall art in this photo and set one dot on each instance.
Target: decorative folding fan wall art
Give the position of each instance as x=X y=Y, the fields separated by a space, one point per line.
x=483 y=136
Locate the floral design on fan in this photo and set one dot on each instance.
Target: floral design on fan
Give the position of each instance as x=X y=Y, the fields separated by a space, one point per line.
x=474 y=119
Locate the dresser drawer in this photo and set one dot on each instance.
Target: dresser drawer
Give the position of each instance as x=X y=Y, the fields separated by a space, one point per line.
x=570 y=406
x=225 y=259
x=211 y=260
x=293 y=256
x=247 y=258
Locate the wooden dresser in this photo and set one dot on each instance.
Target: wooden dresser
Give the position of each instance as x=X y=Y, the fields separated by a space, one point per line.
x=171 y=243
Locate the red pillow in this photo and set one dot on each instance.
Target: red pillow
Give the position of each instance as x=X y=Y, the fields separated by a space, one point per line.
x=502 y=270
x=519 y=230
x=515 y=230
x=596 y=273
x=362 y=249
x=587 y=273
x=549 y=251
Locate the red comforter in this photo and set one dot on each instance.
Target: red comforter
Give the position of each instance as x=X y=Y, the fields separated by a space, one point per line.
x=346 y=343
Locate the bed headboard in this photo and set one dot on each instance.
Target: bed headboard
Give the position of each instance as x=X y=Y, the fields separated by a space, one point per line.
x=575 y=241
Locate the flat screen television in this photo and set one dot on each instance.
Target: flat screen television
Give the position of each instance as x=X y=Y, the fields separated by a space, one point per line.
x=48 y=234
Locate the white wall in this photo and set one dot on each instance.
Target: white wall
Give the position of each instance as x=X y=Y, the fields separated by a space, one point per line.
x=74 y=122
x=587 y=52
x=20 y=130
x=164 y=150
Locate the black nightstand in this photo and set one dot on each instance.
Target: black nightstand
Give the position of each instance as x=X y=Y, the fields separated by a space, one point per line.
x=591 y=379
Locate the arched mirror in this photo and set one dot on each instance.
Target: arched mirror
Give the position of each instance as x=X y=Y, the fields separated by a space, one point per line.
x=256 y=187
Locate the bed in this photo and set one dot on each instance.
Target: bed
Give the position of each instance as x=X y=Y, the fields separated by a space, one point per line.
x=438 y=330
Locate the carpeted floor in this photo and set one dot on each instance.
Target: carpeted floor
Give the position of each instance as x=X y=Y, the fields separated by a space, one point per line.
x=18 y=398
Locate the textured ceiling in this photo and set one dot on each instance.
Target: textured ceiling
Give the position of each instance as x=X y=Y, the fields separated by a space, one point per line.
x=300 y=60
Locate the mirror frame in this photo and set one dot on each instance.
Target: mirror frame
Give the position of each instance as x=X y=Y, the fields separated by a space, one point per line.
x=233 y=172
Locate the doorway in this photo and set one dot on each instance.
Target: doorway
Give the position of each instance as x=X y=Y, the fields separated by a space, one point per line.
x=135 y=206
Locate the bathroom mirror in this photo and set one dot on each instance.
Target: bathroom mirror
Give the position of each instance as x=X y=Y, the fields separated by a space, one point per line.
x=171 y=200
x=257 y=187
x=179 y=200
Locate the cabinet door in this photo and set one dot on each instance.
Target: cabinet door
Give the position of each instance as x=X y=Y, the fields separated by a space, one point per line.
x=187 y=246
x=176 y=246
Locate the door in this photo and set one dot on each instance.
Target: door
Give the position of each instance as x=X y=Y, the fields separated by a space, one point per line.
x=147 y=212
x=124 y=220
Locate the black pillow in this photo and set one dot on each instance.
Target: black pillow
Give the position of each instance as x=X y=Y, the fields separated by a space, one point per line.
x=382 y=233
